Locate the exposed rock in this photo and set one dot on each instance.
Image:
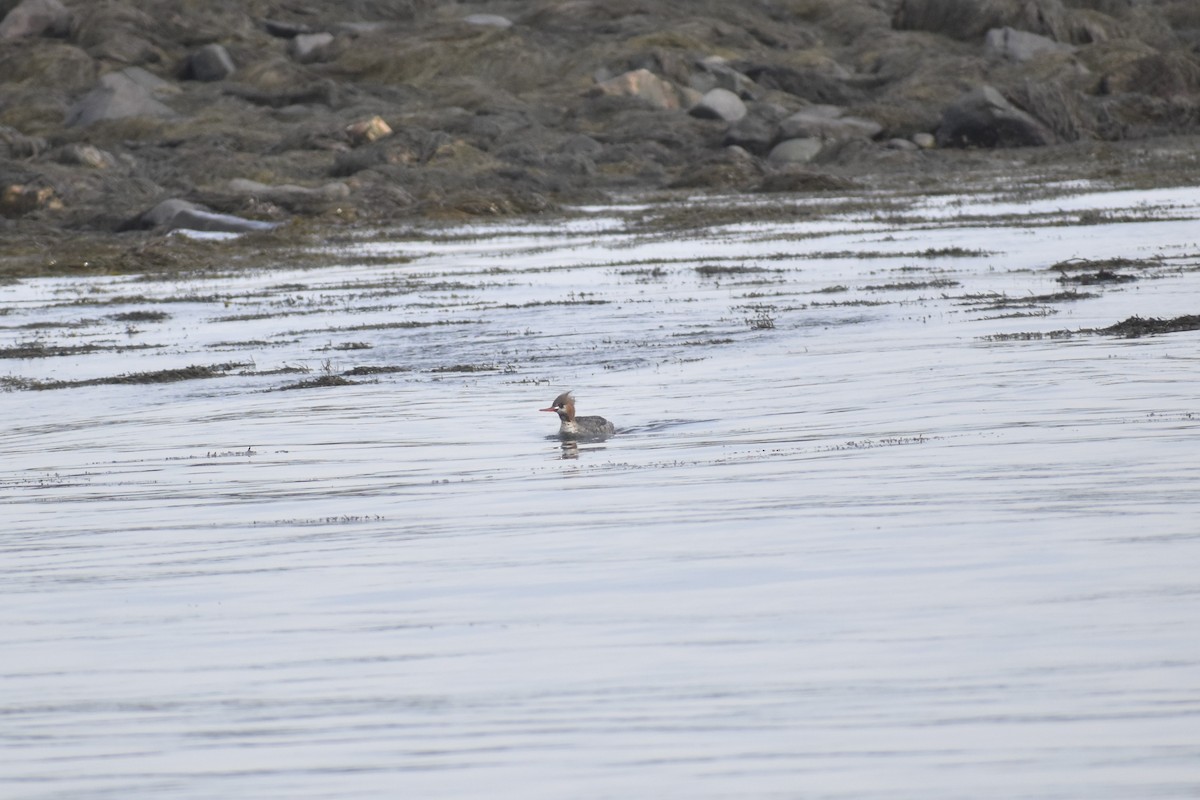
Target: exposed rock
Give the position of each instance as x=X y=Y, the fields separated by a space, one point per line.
x=719 y=104
x=36 y=18
x=210 y=63
x=179 y=214
x=756 y=131
x=984 y=118
x=310 y=47
x=368 y=130
x=491 y=120
x=1021 y=45
x=128 y=93
x=795 y=151
x=827 y=122
x=488 y=20
x=645 y=85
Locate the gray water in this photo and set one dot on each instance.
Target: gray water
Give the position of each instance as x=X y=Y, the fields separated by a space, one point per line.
x=873 y=525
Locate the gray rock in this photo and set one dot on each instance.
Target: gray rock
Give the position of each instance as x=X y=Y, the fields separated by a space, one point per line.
x=488 y=20
x=719 y=104
x=984 y=118
x=147 y=80
x=795 y=151
x=714 y=73
x=1017 y=45
x=286 y=193
x=36 y=18
x=211 y=63
x=925 y=141
x=179 y=214
x=756 y=131
x=309 y=47
x=826 y=122
x=119 y=95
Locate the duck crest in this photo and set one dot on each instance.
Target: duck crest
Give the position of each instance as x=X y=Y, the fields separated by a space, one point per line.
x=573 y=427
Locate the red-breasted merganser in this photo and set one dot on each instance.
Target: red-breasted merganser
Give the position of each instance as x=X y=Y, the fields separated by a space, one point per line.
x=574 y=427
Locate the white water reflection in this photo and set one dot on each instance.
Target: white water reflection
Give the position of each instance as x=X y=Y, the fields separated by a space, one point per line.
x=870 y=549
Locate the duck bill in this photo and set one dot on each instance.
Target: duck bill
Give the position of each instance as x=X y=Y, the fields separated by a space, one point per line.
x=547 y=409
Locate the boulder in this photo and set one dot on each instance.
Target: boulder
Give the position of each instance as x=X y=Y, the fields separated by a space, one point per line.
x=756 y=131
x=179 y=214
x=1015 y=45
x=984 y=118
x=795 y=151
x=644 y=85
x=119 y=95
x=719 y=104
x=36 y=18
x=827 y=122
x=309 y=47
x=210 y=63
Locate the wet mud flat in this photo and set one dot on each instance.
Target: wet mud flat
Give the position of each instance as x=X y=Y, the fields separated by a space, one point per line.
x=902 y=499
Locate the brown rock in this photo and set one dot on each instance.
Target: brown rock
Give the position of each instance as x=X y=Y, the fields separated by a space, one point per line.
x=645 y=85
x=368 y=130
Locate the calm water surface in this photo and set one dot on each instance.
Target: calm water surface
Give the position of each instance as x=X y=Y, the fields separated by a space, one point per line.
x=868 y=531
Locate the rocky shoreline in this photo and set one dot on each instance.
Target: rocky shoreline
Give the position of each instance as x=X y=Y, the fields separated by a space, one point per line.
x=123 y=119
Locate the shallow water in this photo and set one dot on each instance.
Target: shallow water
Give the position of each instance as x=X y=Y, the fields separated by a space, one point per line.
x=867 y=530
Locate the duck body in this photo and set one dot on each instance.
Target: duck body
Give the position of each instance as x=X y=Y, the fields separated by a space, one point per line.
x=573 y=427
